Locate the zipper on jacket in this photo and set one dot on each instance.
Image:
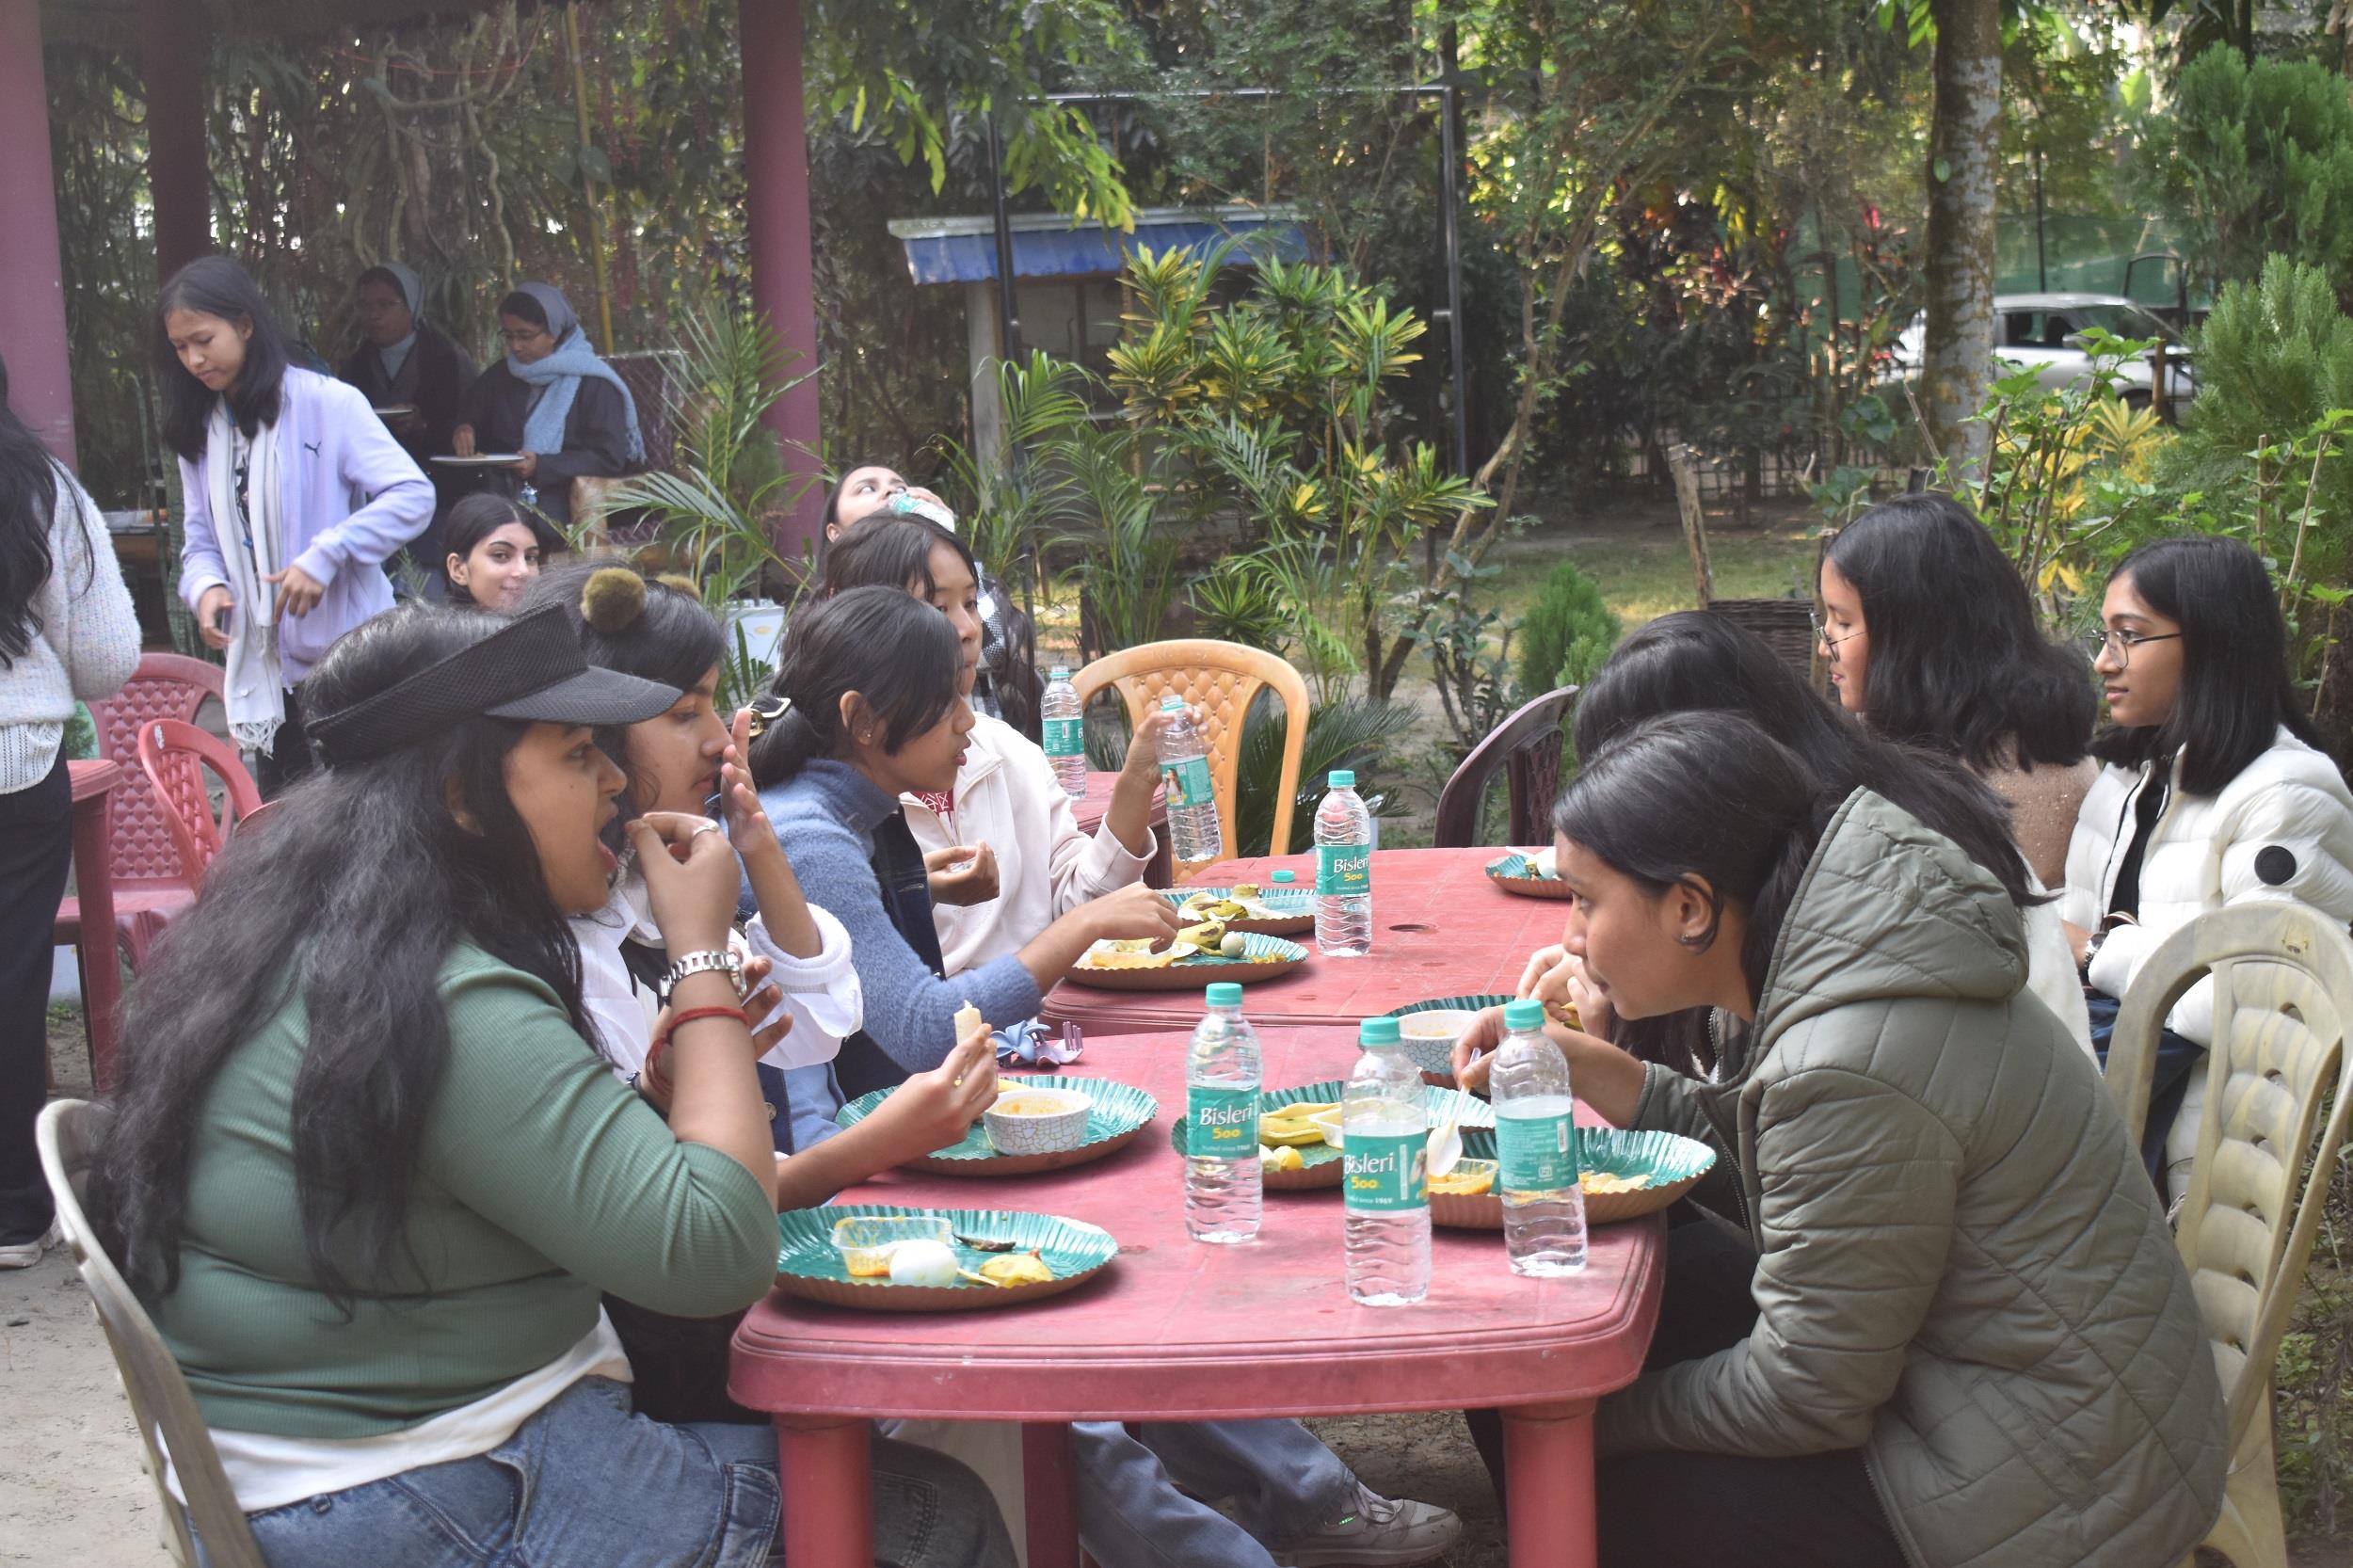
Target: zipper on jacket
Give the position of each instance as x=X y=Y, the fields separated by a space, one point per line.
x=1895 y=1524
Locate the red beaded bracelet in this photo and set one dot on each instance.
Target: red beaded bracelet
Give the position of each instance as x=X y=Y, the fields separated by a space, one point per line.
x=655 y=1079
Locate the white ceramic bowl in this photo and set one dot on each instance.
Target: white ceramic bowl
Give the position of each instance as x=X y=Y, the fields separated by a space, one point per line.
x=1039 y=1132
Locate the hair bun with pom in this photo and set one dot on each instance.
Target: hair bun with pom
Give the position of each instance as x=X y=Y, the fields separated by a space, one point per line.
x=613 y=599
x=678 y=582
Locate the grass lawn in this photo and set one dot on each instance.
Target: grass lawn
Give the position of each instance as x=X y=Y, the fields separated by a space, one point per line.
x=1635 y=551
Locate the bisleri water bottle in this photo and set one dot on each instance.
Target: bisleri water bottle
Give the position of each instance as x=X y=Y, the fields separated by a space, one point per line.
x=1222 y=1179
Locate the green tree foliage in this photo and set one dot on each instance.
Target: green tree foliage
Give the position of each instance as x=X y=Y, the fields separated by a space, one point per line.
x=1566 y=633
x=2258 y=160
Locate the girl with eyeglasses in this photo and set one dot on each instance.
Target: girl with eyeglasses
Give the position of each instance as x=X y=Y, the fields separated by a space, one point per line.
x=2213 y=796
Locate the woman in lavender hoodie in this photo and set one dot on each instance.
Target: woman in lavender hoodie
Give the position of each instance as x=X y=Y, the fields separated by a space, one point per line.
x=295 y=495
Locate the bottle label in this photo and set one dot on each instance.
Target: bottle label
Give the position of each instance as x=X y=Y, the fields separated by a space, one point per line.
x=1188 y=782
x=1065 y=738
x=1343 y=871
x=1221 y=1124
x=1388 y=1173
x=1537 y=1154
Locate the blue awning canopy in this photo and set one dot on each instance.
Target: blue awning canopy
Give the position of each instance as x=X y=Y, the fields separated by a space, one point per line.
x=964 y=250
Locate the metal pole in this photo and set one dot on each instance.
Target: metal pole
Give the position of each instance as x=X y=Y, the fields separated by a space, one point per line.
x=1008 y=319
x=2041 y=272
x=588 y=186
x=1449 y=171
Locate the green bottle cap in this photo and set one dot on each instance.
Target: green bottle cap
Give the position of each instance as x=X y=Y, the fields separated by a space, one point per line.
x=1224 y=994
x=1060 y=672
x=1281 y=878
x=1524 y=1017
x=1342 y=778
x=1377 y=1032
x=1172 y=704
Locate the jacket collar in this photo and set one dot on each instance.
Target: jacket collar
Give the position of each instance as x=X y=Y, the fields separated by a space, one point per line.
x=862 y=803
x=981 y=759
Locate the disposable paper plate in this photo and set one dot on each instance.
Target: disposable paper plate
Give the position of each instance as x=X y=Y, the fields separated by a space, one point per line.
x=1290 y=911
x=1262 y=959
x=1320 y=1162
x=809 y=1266
x=1120 y=1112
x=1673 y=1161
x=1437 y=1056
x=480 y=459
x=1517 y=874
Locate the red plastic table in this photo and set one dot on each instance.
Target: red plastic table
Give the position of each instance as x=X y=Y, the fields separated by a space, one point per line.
x=1175 y=1330
x=1440 y=928
x=1090 y=812
x=94 y=784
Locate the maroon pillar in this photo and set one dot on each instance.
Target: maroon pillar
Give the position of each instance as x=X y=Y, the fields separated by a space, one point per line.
x=172 y=47
x=32 y=277
x=775 y=175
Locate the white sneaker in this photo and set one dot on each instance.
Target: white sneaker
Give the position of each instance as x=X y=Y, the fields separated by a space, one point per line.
x=23 y=1255
x=1376 y=1532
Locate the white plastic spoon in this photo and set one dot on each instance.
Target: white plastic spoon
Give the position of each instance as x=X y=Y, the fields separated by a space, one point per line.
x=1446 y=1140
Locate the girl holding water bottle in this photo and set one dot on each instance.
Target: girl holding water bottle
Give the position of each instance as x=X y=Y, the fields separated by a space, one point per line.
x=1969 y=1337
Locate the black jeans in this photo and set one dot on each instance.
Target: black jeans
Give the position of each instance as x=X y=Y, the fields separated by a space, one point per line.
x=1708 y=1510
x=36 y=847
x=2168 y=1085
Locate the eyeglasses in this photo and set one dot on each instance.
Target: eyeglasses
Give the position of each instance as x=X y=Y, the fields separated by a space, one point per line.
x=1821 y=633
x=2122 y=643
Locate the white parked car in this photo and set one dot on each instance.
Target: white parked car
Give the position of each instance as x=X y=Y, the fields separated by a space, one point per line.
x=2045 y=330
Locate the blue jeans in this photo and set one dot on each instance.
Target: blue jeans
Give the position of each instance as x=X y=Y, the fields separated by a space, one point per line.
x=2176 y=1058
x=1280 y=1478
x=585 y=1483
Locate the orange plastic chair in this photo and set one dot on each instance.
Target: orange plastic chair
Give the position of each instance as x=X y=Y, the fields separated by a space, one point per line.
x=1220 y=679
x=2280 y=1062
x=175 y=756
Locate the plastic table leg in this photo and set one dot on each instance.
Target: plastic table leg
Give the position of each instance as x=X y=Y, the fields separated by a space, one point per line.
x=1046 y=1495
x=824 y=1464
x=1549 y=1523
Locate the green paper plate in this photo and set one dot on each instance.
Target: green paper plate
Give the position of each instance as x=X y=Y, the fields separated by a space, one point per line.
x=1673 y=1161
x=1290 y=912
x=1517 y=874
x=1120 y=1112
x=1437 y=1056
x=809 y=1266
x=1263 y=957
x=1320 y=1162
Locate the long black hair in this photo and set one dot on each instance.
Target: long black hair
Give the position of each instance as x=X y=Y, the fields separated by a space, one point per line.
x=217 y=286
x=470 y=521
x=28 y=496
x=2235 y=693
x=350 y=901
x=890 y=550
x=894 y=651
x=1957 y=662
x=654 y=627
x=1708 y=797
x=1692 y=662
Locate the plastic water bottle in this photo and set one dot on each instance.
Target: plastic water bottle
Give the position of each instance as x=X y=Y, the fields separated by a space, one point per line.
x=1193 y=832
x=1064 y=720
x=1223 y=1183
x=906 y=504
x=1343 y=871
x=1386 y=1188
x=1543 y=1204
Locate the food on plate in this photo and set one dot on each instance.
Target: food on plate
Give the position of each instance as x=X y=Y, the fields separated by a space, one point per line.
x=1290 y=1124
x=1546 y=862
x=1470 y=1179
x=1030 y=1105
x=1285 y=1159
x=931 y=1263
x=1129 y=953
x=1601 y=1182
x=1436 y=1023
x=1235 y=946
x=868 y=1241
x=1021 y=1267
x=1204 y=937
x=869 y=1262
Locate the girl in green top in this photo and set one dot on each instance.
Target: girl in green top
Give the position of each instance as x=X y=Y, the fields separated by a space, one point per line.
x=370 y=1176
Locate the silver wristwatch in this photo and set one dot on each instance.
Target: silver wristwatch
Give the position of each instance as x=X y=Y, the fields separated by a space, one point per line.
x=721 y=959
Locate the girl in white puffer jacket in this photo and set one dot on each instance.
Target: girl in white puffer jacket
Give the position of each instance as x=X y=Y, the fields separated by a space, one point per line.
x=2213 y=796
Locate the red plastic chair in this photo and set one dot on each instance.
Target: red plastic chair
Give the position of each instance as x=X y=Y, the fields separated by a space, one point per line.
x=174 y=756
x=1525 y=748
x=152 y=882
